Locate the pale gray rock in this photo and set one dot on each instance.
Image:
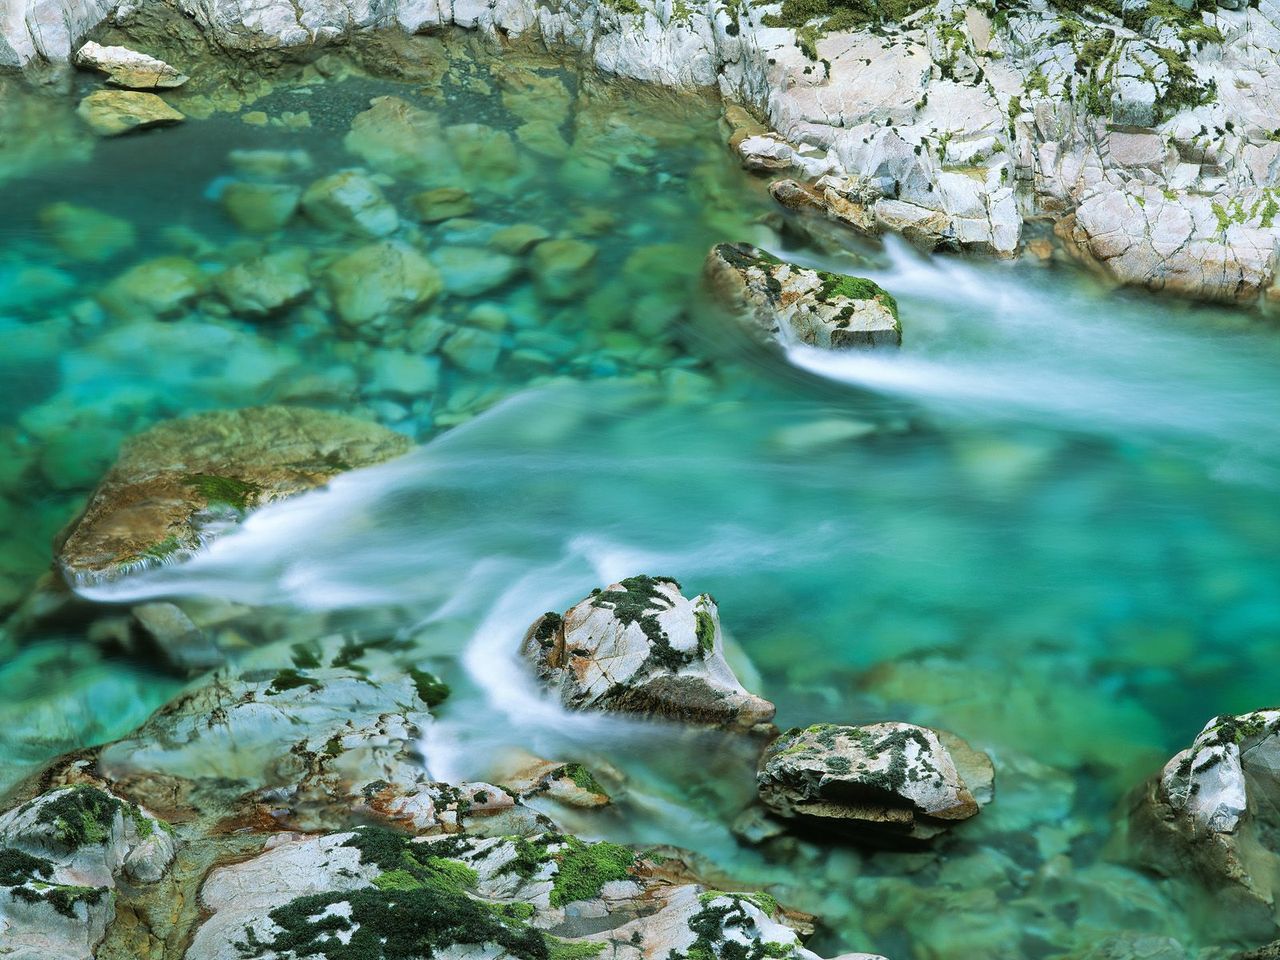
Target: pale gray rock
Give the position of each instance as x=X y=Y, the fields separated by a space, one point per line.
x=640 y=646
x=129 y=68
x=265 y=285
x=350 y=202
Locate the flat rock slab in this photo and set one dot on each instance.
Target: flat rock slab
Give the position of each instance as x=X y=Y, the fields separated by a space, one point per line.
x=109 y=113
x=129 y=68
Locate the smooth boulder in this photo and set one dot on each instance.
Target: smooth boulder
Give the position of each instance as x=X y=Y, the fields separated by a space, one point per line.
x=109 y=113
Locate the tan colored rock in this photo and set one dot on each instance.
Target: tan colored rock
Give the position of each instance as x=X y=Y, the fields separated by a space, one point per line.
x=129 y=68
x=110 y=113
x=381 y=280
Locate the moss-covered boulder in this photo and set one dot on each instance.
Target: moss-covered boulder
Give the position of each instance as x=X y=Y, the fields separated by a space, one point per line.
x=640 y=646
x=180 y=482
x=790 y=303
x=1213 y=814
x=888 y=783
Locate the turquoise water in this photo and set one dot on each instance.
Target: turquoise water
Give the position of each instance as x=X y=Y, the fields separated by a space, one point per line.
x=1049 y=524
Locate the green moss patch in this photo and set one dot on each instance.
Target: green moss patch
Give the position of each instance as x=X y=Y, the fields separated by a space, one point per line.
x=224 y=491
x=290 y=679
x=639 y=602
x=706 y=632
x=584 y=869
x=80 y=815
x=431 y=689
x=17 y=867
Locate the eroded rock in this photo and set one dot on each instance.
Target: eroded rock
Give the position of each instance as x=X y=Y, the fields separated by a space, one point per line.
x=887 y=782
x=793 y=303
x=639 y=646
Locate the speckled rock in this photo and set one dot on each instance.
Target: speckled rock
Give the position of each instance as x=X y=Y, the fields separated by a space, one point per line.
x=639 y=646
x=182 y=481
x=885 y=782
x=1212 y=814
x=791 y=303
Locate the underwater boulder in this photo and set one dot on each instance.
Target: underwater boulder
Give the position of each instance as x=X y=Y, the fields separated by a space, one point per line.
x=381 y=280
x=885 y=782
x=62 y=856
x=162 y=287
x=563 y=269
x=183 y=481
x=129 y=68
x=83 y=233
x=350 y=202
x=1212 y=814
x=790 y=303
x=263 y=285
x=109 y=113
x=639 y=646
x=260 y=207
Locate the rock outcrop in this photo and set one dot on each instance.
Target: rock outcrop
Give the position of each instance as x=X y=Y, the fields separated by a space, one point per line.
x=791 y=303
x=639 y=646
x=1212 y=814
x=183 y=481
x=129 y=68
x=888 y=783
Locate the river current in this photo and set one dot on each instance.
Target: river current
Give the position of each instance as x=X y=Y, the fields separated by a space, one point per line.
x=1049 y=523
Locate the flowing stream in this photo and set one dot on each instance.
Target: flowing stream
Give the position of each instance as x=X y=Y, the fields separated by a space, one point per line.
x=1049 y=524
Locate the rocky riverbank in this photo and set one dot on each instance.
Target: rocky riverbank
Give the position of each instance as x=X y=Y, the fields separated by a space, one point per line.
x=1140 y=131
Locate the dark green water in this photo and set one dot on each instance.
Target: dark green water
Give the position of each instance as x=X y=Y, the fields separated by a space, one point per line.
x=1050 y=524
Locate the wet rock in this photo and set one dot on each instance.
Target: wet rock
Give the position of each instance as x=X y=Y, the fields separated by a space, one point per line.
x=260 y=207
x=518 y=238
x=350 y=202
x=87 y=234
x=177 y=638
x=569 y=783
x=639 y=646
x=403 y=373
x=268 y=284
x=1212 y=814
x=503 y=896
x=160 y=288
x=109 y=113
x=269 y=163
x=381 y=280
x=62 y=856
x=885 y=782
x=129 y=68
x=397 y=138
x=473 y=349
x=562 y=269
x=472 y=271
x=794 y=303
x=432 y=206
x=182 y=481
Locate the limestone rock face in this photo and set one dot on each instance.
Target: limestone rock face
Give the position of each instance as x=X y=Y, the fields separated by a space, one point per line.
x=887 y=782
x=792 y=303
x=62 y=855
x=503 y=896
x=183 y=481
x=129 y=68
x=1212 y=813
x=110 y=113
x=639 y=646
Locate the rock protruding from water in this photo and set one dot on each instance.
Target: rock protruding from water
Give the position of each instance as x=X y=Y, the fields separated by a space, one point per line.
x=886 y=782
x=639 y=646
x=1213 y=812
x=183 y=481
x=109 y=113
x=129 y=68
x=792 y=303
x=62 y=856
x=382 y=894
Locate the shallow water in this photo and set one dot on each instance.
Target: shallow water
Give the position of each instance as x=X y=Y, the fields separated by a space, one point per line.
x=1049 y=524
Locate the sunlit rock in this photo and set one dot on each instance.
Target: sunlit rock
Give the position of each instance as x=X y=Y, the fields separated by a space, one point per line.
x=518 y=238
x=87 y=234
x=260 y=207
x=261 y=286
x=639 y=646
x=350 y=202
x=569 y=783
x=183 y=481
x=472 y=271
x=794 y=303
x=110 y=113
x=885 y=782
x=160 y=288
x=563 y=269
x=129 y=68
x=432 y=206
x=381 y=280
x=62 y=856
x=1212 y=814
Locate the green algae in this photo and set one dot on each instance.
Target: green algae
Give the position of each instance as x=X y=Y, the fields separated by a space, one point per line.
x=81 y=815
x=290 y=679
x=224 y=491
x=431 y=689
x=705 y=632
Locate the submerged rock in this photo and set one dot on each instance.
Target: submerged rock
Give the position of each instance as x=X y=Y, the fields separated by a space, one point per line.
x=351 y=203
x=386 y=894
x=1214 y=813
x=888 y=782
x=110 y=113
x=129 y=68
x=161 y=287
x=639 y=646
x=381 y=280
x=183 y=481
x=569 y=783
x=790 y=302
x=562 y=269
x=62 y=856
x=87 y=234
x=261 y=207
x=265 y=285
x=443 y=203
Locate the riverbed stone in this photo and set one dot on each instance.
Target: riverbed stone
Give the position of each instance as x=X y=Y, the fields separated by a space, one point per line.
x=473 y=349
x=381 y=280
x=84 y=233
x=442 y=203
x=110 y=113
x=790 y=303
x=161 y=287
x=129 y=68
x=562 y=269
x=396 y=138
x=1211 y=814
x=472 y=271
x=184 y=480
x=350 y=202
x=640 y=646
x=887 y=783
x=260 y=207
x=267 y=284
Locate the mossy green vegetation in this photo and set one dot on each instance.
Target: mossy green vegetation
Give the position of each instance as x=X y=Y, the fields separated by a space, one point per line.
x=290 y=679
x=80 y=815
x=17 y=867
x=843 y=14
x=721 y=911
x=62 y=897
x=431 y=689
x=581 y=777
x=705 y=631
x=584 y=869
x=836 y=286
x=639 y=601
x=224 y=491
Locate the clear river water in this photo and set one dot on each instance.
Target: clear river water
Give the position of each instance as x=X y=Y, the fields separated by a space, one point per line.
x=1049 y=523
